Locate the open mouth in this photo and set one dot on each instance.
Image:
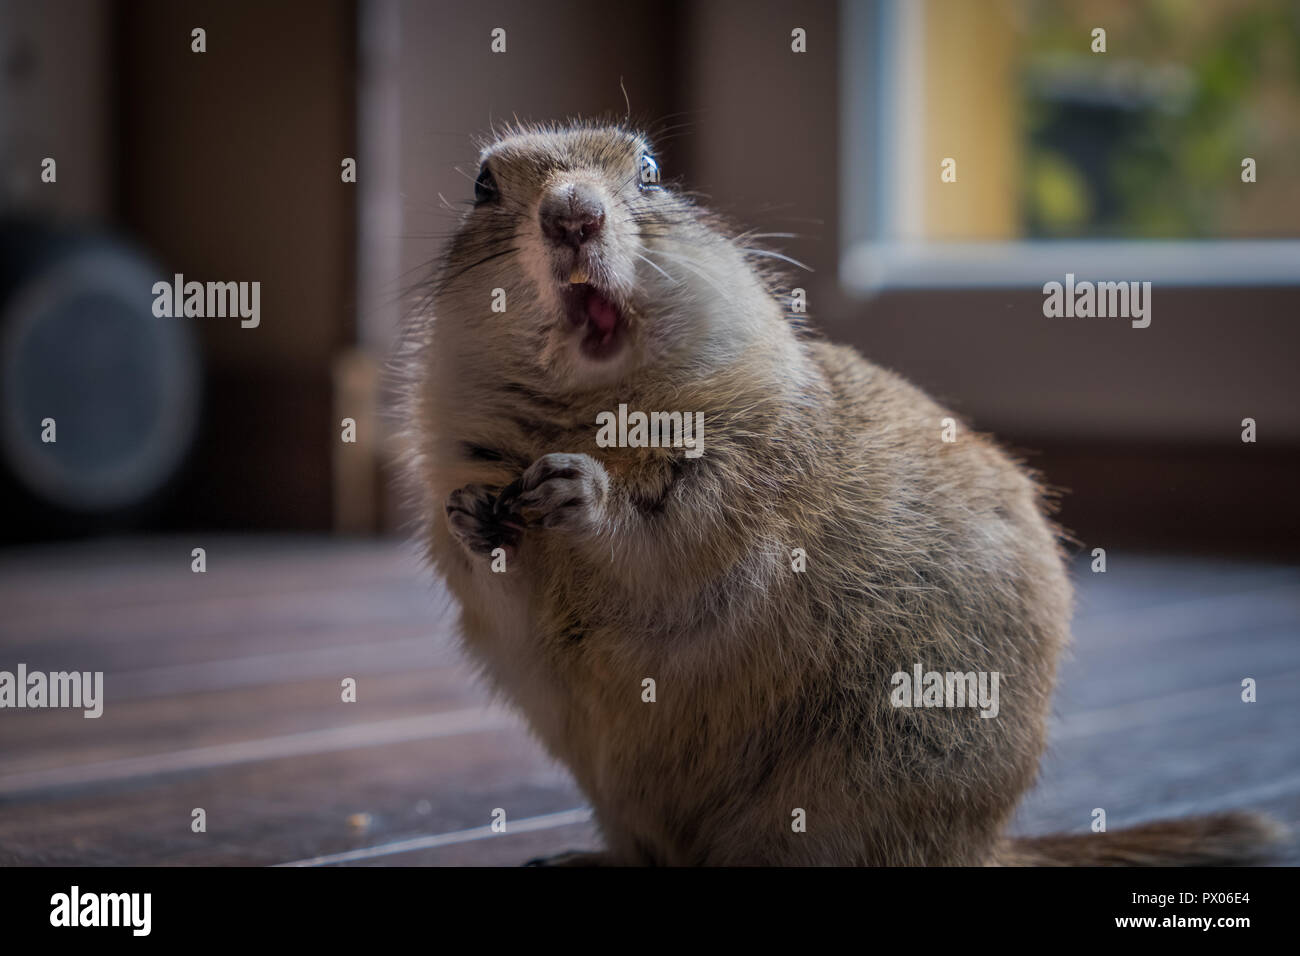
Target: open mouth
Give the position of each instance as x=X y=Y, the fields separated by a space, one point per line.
x=601 y=320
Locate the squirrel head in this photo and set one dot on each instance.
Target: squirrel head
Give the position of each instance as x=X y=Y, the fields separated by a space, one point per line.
x=578 y=267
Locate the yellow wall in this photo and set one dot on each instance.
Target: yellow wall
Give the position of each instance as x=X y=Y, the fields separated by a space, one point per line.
x=971 y=115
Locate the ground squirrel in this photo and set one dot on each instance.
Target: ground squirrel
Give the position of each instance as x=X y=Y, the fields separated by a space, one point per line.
x=825 y=540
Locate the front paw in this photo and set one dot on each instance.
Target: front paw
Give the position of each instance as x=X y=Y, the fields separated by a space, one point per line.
x=561 y=491
x=479 y=522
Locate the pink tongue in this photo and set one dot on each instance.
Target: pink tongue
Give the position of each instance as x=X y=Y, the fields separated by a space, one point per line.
x=601 y=312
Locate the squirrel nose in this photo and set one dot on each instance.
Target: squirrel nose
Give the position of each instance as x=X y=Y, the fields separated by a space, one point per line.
x=571 y=215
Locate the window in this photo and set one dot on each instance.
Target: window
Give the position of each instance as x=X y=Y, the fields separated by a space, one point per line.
x=996 y=142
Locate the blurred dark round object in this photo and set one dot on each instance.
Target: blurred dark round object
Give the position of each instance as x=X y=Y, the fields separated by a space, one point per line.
x=79 y=344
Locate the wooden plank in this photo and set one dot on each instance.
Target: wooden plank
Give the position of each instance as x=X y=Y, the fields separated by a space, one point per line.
x=537 y=828
x=223 y=692
x=35 y=740
x=291 y=808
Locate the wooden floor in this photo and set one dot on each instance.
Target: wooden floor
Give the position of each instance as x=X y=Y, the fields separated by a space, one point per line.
x=223 y=692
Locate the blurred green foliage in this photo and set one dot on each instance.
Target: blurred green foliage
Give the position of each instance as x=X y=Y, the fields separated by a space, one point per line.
x=1146 y=140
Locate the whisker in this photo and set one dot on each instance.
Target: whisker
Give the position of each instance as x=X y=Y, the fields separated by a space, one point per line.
x=769 y=254
x=444 y=282
x=656 y=267
x=693 y=267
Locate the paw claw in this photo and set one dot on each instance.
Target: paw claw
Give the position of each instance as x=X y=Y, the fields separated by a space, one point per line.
x=476 y=519
x=562 y=491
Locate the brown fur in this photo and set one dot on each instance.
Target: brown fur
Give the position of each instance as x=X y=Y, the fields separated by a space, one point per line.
x=773 y=686
x=1215 y=840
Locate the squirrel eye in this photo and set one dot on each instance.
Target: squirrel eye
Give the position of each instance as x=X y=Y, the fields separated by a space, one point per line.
x=649 y=172
x=485 y=187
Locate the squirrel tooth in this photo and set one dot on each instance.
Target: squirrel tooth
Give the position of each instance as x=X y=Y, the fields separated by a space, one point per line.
x=577 y=276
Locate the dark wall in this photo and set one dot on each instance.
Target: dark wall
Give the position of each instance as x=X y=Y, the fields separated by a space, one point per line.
x=229 y=169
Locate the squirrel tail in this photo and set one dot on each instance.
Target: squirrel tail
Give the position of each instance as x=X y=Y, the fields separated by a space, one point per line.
x=1220 y=839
